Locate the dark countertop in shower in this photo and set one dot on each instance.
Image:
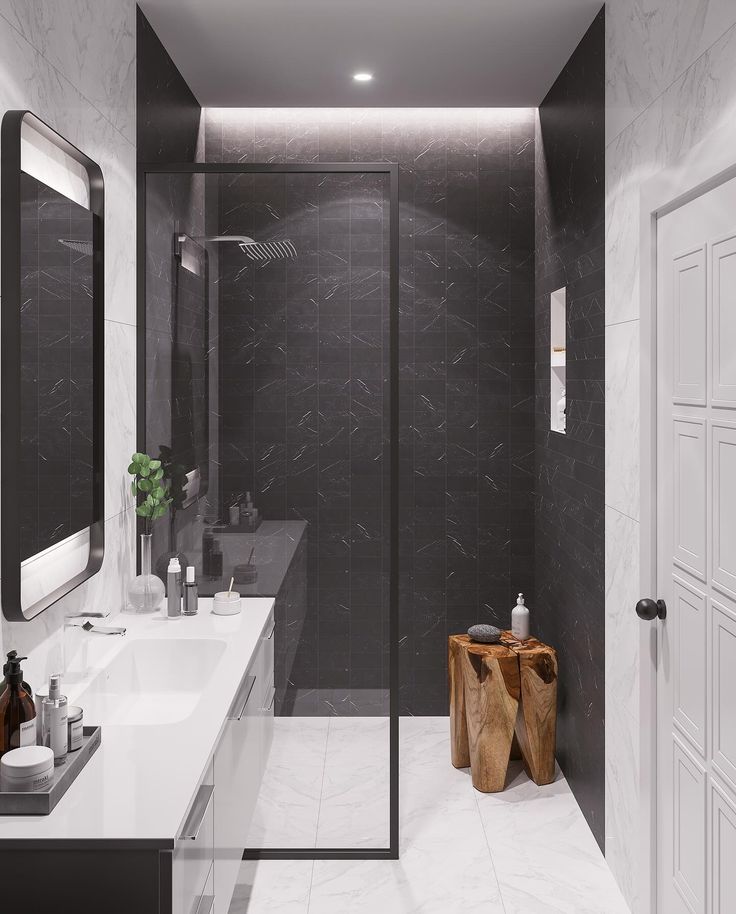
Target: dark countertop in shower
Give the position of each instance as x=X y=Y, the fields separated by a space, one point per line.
x=275 y=542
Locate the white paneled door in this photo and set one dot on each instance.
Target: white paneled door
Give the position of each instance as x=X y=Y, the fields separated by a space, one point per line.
x=696 y=555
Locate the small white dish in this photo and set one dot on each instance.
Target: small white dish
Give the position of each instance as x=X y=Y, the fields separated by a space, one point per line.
x=226 y=603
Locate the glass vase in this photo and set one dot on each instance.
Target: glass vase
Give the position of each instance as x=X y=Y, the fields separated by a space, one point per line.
x=146 y=590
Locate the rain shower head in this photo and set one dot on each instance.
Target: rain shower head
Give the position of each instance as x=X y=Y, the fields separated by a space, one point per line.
x=81 y=247
x=259 y=251
x=268 y=250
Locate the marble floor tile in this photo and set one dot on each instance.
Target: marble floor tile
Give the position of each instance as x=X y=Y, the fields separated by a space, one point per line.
x=354 y=805
x=276 y=886
x=527 y=850
x=421 y=882
x=545 y=857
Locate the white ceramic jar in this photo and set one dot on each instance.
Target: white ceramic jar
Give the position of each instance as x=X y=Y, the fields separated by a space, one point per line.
x=226 y=603
x=26 y=769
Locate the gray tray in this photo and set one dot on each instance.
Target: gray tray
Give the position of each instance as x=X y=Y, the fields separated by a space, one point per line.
x=41 y=802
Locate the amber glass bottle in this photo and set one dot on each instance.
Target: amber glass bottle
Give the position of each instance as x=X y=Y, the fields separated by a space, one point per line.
x=17 y=710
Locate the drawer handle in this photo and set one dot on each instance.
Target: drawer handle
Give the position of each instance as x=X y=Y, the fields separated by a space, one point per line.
x=270 y=703
x=205 y=905
x=241 y=705
x=270 y=631
x=197 y=813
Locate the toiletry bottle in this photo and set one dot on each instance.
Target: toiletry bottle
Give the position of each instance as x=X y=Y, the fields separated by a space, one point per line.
x=216 y=560
x=520 y=620
x=17 y=710
x=207 y=543
x=561 y=411
x=249 y=513
x=190 y=592
x=173 y=589
x=234 y=515
x=55 y=714
x=12 y=655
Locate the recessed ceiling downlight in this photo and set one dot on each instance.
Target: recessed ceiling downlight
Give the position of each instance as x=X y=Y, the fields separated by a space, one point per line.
x=362 y=77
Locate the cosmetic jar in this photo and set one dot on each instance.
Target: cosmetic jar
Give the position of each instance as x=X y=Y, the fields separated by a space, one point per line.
x=246 y=577
x=26 y=769
x=226 y=603
x=75 y=728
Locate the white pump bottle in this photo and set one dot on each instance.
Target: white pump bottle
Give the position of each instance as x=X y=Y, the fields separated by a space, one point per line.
x=520 y=620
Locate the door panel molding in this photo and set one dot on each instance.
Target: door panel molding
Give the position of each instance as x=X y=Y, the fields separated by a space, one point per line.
x=723 y=679
x=690 y=469
x=723 y=844
x=689 y=832
x=705 y=167
x=723 y=321
x=690 y=325
x=689 y=664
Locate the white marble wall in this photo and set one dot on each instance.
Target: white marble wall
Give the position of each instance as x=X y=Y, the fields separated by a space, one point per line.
x=72 y=62
x=670 y=81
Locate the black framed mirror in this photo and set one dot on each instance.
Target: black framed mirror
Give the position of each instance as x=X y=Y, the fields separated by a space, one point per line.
x=51 y=366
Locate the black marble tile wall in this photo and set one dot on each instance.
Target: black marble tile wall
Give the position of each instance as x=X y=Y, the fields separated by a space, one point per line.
x=167 y=113
x=174 y=414
x=303 y=356
x=466 y=391
x=568 y=609
x=55 y=481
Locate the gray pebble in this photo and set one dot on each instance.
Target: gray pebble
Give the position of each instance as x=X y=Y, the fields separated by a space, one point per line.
x=488 y=634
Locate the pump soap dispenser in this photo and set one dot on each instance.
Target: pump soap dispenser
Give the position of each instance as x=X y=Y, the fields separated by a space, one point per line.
x=520 y=620
x=17 y=709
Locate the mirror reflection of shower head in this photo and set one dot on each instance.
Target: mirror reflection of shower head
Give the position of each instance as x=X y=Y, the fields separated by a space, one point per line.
x=259 y=251
x=77 y=245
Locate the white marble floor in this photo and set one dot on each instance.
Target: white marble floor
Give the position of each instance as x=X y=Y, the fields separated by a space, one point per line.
x=527 y=850
x=326 y=785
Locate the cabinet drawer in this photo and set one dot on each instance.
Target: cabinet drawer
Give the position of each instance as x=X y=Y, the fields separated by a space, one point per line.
x=263 y=660
x=194 y=851
x=237 y=772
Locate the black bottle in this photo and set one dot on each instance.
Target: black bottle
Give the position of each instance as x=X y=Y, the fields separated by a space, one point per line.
x=17 y=710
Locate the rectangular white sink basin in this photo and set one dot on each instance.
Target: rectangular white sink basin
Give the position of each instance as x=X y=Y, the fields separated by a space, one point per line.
x=151 y=681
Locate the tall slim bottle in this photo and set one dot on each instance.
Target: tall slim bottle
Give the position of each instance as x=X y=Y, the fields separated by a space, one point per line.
x=55 y=717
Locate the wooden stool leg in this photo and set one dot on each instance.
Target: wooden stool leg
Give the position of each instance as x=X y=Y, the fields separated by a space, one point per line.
x=536 y=726
x=459 y=749
x=492 y=701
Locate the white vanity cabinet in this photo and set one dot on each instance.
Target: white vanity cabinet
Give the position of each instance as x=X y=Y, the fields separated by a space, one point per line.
x=189 y=864
x=239 y=762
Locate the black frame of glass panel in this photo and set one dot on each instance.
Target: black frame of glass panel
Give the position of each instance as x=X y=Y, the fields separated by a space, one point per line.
x=392 y=170
x=10 y=369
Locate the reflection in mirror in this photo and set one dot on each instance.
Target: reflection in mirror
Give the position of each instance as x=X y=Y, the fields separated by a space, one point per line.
x=52 y=395
x=56 y=390
x=190 y=370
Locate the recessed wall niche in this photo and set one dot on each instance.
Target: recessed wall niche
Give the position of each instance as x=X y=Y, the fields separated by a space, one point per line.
x=557 y=360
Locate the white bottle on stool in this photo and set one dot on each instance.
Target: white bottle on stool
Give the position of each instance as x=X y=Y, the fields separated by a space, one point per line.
x=520 y=620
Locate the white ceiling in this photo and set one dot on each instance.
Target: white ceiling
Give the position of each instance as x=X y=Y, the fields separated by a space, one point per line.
x=302 y=53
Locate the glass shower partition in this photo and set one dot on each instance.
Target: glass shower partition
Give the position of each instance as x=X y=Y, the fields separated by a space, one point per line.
x=270 y=304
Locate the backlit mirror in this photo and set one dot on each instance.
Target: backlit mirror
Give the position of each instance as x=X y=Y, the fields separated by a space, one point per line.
x=52 y=366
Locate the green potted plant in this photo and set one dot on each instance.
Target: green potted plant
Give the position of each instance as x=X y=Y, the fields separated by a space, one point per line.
x=146 y=591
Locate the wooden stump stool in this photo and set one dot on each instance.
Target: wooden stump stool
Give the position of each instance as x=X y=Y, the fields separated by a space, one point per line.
x=498 y=692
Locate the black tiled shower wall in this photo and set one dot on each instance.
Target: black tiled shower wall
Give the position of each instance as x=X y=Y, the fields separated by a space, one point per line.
x=56 y=390
x=168 y=118
x=303 y=351
x=569 y=511
x=466 y=393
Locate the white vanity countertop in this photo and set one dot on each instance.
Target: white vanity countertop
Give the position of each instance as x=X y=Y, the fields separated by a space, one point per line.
x=137 y=787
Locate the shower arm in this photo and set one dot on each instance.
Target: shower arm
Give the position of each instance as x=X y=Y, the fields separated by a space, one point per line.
x=263 y=251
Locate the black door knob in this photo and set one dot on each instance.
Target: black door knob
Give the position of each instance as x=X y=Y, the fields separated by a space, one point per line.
x=650 y=609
